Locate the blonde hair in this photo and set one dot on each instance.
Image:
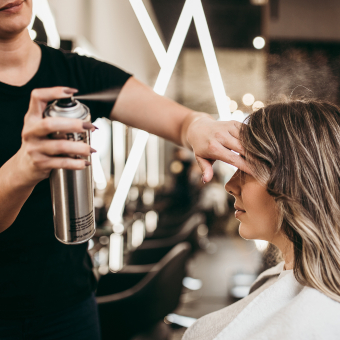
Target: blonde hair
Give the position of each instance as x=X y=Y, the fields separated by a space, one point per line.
x=294 y=149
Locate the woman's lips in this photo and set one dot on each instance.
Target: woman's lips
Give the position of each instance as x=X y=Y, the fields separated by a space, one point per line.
x=13 y=7
x=238 y=213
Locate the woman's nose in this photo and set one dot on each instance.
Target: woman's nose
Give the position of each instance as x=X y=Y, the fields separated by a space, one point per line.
x=233 y=186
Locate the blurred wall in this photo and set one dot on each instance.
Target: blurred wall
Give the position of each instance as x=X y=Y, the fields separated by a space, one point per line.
x=118 y=37
x=243 y=71
x=306 y=20
x=113 y=30
x=72 y=17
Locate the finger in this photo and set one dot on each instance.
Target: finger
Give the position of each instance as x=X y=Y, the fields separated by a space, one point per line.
x=234 y=128
x=218 y=152
x=65 y=163
x=228 y=136
x=40 y=98
x=231 y=143
x=47 y=126
x=206 y=168
x=63 y=147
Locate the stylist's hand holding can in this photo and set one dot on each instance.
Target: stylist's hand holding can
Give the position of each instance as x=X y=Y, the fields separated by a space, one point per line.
x=39 y=154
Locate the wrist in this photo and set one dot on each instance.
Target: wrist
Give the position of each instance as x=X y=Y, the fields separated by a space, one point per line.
x=192 y=123
x=19 y=174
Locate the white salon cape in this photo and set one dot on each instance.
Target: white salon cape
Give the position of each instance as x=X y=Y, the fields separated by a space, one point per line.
x=278 y=307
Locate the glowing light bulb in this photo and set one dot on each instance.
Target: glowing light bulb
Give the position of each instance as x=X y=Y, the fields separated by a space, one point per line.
x=118 y=228
x=116 y=252
x=176 y=167
x=138 y=233
x=233 y=106
x=238 y=115
x=151 y=220
x=257 y=105
x=259 y=2
x=248 y=99
x=259 y=43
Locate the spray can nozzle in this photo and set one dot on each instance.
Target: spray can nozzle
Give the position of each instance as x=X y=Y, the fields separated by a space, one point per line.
x=66 y=102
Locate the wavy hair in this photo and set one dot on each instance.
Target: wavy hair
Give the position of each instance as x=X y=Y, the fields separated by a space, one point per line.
x=294 y=149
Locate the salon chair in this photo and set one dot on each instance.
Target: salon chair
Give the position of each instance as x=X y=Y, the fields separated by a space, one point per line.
x=151 y=251
x=132 y=303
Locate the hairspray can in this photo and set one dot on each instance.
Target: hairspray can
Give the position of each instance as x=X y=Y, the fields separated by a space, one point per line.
x=72 y=190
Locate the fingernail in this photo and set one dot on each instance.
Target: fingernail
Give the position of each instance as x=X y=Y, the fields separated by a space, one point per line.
x=93 y=150
x=87 y=163
x=87 y=126
x=95 y=127
x=70 y=91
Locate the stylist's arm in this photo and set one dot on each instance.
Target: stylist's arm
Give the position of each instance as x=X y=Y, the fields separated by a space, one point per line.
x=38 y=154
x=139 y=106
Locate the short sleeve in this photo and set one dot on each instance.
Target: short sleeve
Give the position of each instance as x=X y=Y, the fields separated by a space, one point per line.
x=94 y=76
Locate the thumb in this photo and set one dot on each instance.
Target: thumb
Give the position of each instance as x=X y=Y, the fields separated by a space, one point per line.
x=206 y=167
x=40 y=98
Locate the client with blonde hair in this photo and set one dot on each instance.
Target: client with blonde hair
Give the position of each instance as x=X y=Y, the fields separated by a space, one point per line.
x=290 y=198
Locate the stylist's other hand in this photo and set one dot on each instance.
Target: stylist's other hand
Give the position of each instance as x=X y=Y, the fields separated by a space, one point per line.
x=213 y=140
x=39 y=154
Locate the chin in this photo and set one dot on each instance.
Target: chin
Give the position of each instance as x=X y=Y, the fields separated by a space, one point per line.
x=247 y=232
x=11 y=25
x=13 y=28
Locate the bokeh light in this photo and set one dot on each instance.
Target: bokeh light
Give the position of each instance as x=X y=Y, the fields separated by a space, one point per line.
x=118 y=228
x=233 y=106
x=176 y=167
x=248 y=99
x=259 y=43
x=257 y=105
x=238 y=115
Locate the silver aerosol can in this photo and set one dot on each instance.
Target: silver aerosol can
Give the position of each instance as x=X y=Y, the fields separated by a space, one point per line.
x=72 y=190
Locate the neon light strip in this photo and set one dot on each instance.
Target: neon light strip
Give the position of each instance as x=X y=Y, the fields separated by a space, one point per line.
x=209 y=55
x=116 y=209
x=175 y=48
x=167 y=61
x=152 y=161
x=150 y=30
x=98 y=172
x=118 y=131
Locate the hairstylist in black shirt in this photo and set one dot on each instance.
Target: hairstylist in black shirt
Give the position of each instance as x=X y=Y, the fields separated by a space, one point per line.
x=46 y=287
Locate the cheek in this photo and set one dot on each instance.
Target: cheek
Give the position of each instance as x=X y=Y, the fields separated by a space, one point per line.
x=260 y=219
x=26 y=15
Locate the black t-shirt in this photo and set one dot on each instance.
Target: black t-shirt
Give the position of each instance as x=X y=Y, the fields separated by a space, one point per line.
x=38 y=274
